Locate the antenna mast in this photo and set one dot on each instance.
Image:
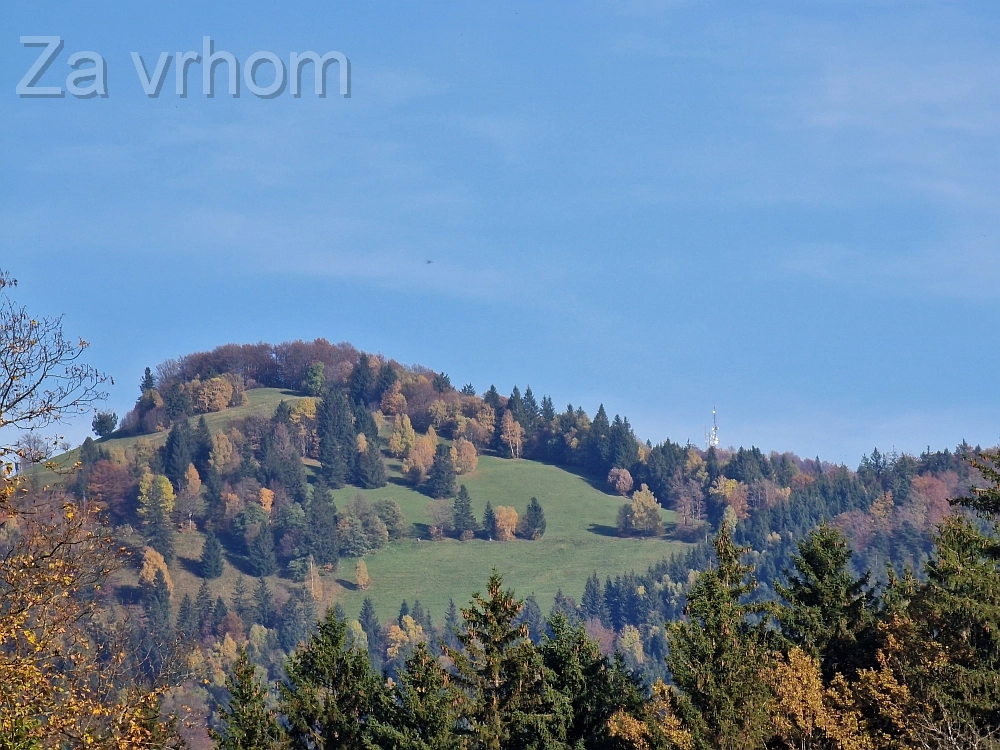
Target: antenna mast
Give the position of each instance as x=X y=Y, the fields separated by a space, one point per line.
x=713 y=434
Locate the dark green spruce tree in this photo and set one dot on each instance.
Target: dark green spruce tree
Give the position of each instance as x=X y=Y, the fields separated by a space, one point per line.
x=533 y=521
x=370 y=471
x=827 y=612
x=337 y=438
x=263 y=561
x=211 y=562
x=246 y=721
x=441 y=480
x=490 y=521
x=331 y=697
x=464 y=519
x=720 y=655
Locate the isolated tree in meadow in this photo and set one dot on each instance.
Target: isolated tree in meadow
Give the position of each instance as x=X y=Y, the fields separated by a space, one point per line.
x=441 y=481
x=104 y=423
x=211 y=563
x=463 y=519
x=361 y=576
x=642 y=515
x=620 y=481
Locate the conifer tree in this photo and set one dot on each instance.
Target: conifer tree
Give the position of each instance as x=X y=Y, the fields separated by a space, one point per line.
x=204 y=610
x=464 y=520
x=201 y=449
x=219 y=612
x=452 y=626
x=187 y=619
x=828 y=613
x=512 y=702
x=297 y=618
x=404 y=610
x=490 y=521
x=177 y=454
x=598 y=445
x=246 y=721
x=321 y=539
x=211 y=562
x=441 y=481
x=148 y=382
x=719 y=657
x=532 y=523
x=531 y=617
x=157 y=526
x=337 y=443
x=156 y=602
x=241 y=602
x=262 y=559
x=331 y=697
x=368 y=619
x=361 y=382
x=263 y=604
x=592 y=604
x=429 y=706
x=314 y=382
x=370 y=473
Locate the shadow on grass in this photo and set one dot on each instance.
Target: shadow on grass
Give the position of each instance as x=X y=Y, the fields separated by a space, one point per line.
x=602 y=530
x=192 y=566
x=347 y=585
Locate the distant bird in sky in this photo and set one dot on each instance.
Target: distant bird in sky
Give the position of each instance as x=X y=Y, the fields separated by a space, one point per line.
x=429 y=262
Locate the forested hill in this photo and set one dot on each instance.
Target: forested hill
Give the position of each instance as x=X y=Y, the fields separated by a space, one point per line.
x=257 y=486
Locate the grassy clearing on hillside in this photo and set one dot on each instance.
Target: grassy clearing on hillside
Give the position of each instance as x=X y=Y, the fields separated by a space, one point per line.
x=579 y=539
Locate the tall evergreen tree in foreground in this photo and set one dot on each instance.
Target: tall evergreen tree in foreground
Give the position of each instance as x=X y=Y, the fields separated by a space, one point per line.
x=513 y=704
x=720 y=656
x=828 y=613
x=246 y=721
x=331 y=697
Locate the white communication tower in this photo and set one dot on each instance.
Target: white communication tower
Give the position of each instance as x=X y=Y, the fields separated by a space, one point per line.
x=712 y=435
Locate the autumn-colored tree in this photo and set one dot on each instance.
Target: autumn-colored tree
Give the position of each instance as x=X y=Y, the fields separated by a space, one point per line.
x=266 y=499
x=620 y=481
x=361 y=576
x=211 y=395
x=464 y=456
x=731 y=493
x=642 y=515
x=192 y=482
x=420 y=458
x=153 y=563
x=506 y=523
x=59 y=687
x=403 y=437
x=393 y=401
x=110 y=485
x=511 y=434
x=806 y=713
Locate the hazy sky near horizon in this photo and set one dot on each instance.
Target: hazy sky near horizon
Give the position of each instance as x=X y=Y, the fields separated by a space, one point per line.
x=785 y=209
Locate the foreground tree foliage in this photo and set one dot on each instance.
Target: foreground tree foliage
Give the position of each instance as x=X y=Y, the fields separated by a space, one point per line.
x=65 y=680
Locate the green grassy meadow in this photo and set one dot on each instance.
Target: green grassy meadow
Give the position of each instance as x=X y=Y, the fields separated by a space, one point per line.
x=579 y=539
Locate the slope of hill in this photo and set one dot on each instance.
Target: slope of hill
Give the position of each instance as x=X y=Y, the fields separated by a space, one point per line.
x=580 y=538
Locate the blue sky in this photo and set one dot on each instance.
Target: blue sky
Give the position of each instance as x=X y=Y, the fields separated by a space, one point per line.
x=788 y=210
